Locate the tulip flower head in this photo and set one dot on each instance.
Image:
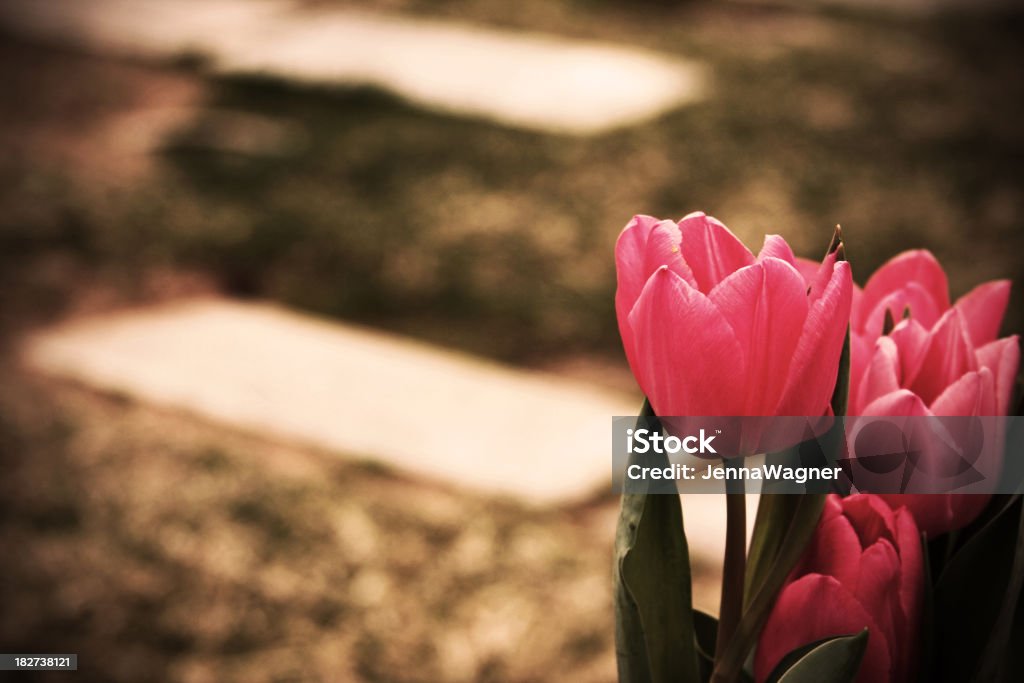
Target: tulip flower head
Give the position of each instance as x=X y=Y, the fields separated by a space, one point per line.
x=711 y=329
x=938 y=359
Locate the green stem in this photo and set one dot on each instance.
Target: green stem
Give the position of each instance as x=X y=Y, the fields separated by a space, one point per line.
x=734 y=567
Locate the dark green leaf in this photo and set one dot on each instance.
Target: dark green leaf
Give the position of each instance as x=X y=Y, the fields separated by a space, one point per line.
x=970 y=597
x=1013 y=664
x=654 y=630
x=830 y=660
x=787 y=662
x=995 y=660
x=775 y=514
x=706 y=629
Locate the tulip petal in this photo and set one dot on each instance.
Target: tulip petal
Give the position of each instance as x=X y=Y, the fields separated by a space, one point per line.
x=812 y=372
x=982 y=309
x=808 y=269
x=971 y=395
x=966 y=396
x=672 y=325
x=918 y=266
x=819 y=283
x=861 y=353
x=891 y=578
x=939 y=513
x=766 y=306
x=645 y=245
x=878 y=589
x=871 y=517
x=776 y=247
x=712 y=250
x=630 y=259
x=911 y=590
x=833 y=508
x=856 y=306
x=911 y=296
x=833 y=551
x=911 y=339
x=814 y=607
x=902 y=403
x=908 y=542
x=931 y=511
x=881 y=377
x=1002 y=358
x=947 y=356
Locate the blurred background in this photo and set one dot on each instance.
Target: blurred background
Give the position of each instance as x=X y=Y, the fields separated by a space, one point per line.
x=222 y=223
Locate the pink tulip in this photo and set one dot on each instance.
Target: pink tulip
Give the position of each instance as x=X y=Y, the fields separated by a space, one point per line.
x=710 y=329
x=863 y=568
x=939 y=360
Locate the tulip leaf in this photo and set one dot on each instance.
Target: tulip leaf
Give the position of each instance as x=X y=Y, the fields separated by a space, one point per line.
x=654 y=624
x=829 y=660
x=775 y=513
x=976 y=598
x=1014 y=664
x=706 y=631
x=996 y=659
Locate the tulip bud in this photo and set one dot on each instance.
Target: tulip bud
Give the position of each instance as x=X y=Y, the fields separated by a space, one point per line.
x=863 y=568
